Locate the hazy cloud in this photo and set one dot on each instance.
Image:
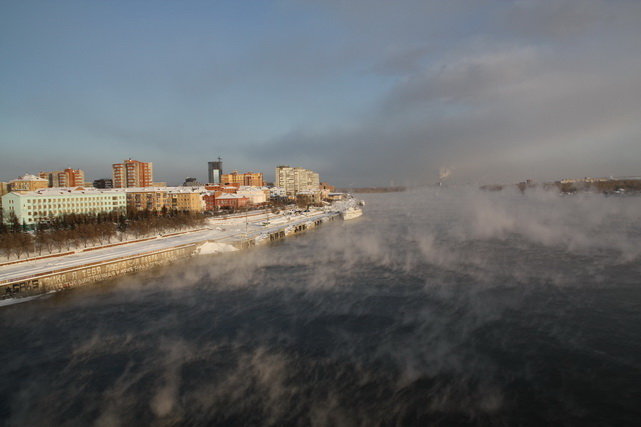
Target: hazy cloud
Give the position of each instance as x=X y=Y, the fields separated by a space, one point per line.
x=556 y=97
x=366 y=92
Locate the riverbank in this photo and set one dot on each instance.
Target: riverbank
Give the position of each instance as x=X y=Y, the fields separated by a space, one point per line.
x=51 y=274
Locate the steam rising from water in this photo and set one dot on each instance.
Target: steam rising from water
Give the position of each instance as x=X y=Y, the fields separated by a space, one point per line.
x=439 y=306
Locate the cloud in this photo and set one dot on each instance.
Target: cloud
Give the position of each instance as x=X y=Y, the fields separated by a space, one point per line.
x=503 y=103
x=562 y=19
x=366 y=92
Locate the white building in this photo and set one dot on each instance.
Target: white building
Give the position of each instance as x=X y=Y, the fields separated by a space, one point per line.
x=34 y=206
x=277 y=192
x=255 y=194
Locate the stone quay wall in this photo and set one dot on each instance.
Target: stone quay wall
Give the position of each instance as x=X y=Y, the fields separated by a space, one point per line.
x=71 y=277
x=89 y=273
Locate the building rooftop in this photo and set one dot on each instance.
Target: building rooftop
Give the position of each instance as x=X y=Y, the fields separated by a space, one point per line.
x=29 y=177
x=61 y=191
x=230 y=196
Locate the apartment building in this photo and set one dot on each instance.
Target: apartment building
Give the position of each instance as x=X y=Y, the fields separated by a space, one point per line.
x=253 y=179
x=169 y=198
x=65 y=178
x=295 y=179
x=28 y=182
x=191 y=201
x=141 y=199
x=132 y=173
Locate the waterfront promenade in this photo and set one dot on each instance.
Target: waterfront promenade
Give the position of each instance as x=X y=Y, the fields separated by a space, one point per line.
x=232 y=230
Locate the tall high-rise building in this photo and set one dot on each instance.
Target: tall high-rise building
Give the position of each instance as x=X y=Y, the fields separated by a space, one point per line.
x=294 y=180
x=132 y=173
x=66 y=178
x=215 y=172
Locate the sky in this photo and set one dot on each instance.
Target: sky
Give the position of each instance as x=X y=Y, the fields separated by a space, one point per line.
x=366 y=92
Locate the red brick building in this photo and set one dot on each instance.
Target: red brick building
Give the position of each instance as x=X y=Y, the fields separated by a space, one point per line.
x=233 y=201
x=210 y=200
x=229 y=189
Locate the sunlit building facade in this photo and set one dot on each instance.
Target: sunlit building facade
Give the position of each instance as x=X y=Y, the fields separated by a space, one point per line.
x=28 y=182
x=65 y=178
x=253 y=179
x=166 y=198
x=294 y=179
x=132 y=173
x=32 y=207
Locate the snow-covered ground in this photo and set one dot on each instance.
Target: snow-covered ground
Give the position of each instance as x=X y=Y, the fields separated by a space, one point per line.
x=215 y=248
x=220 y=231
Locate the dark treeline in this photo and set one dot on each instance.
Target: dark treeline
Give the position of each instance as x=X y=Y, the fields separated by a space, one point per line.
x=609 y=186
x=82 y=230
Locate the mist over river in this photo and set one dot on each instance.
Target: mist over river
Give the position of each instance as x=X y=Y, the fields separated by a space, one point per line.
x=437 y=307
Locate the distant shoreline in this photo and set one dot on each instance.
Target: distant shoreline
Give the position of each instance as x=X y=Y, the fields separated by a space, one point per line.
x=373 y=190
x=610 y=186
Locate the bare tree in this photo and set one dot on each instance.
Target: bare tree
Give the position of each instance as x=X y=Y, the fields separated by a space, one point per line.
x=23 y=243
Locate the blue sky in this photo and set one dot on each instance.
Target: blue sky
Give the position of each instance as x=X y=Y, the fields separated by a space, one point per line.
x=365 y=92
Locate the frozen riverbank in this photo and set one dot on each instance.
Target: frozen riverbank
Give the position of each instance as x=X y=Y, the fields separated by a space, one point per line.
x=78 y=268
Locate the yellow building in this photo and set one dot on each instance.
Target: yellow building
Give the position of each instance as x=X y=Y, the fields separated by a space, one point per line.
x=4 y=189
x=28 y=182
x=171 y=198
x=253 y=179
x=185 y=201
x=141 y=199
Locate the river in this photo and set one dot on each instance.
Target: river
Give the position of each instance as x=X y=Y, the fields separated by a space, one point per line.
x=437 y=307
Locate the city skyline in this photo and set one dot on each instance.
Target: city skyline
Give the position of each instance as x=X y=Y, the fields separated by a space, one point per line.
x=120 y=169
x=493 y=91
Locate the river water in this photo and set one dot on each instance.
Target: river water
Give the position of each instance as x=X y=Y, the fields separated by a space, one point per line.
x=437 y=307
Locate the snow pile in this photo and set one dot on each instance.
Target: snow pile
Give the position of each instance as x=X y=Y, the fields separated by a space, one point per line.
x=262 y=238
x=215 y=248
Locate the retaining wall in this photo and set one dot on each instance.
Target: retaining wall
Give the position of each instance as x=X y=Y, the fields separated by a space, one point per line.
x=82 y=275
x=72 y=277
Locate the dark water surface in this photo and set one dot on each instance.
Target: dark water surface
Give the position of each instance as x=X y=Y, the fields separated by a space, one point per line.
x=439 y=307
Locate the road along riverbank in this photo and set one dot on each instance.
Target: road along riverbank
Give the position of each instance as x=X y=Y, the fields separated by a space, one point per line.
x=42 y=276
